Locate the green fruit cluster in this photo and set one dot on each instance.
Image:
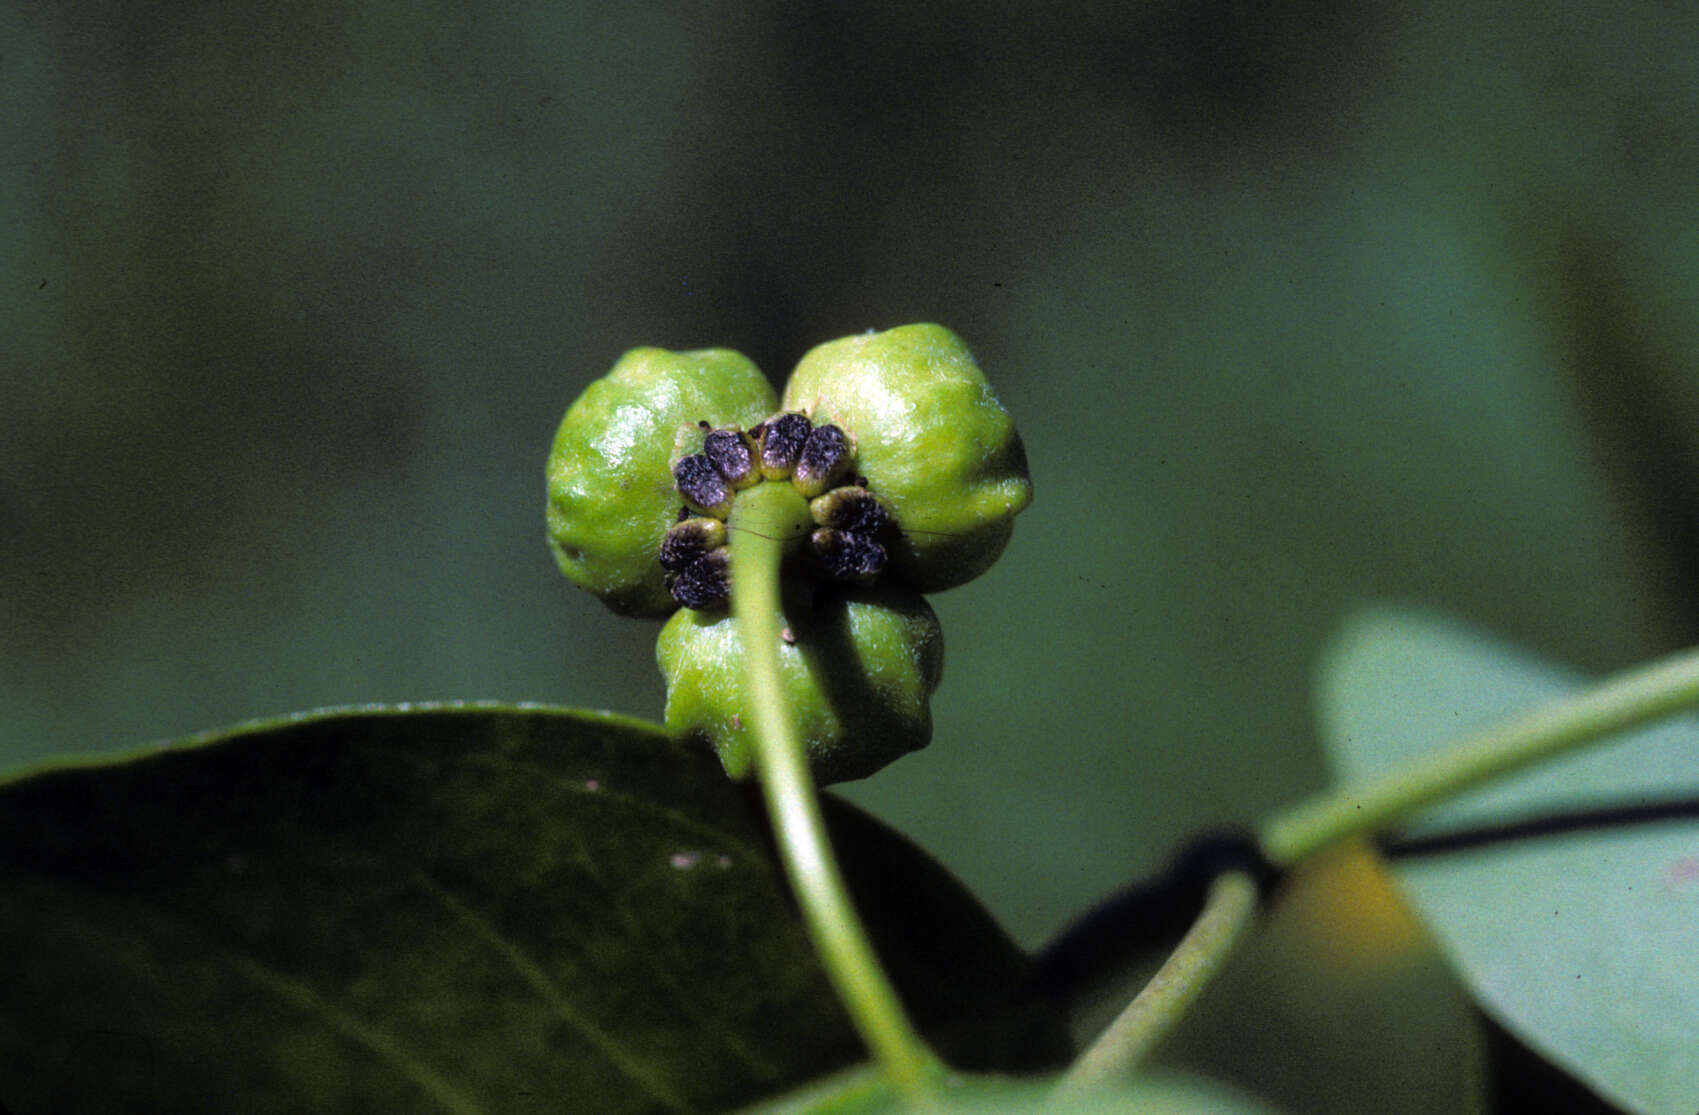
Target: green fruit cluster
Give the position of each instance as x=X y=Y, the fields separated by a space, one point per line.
x=911 y=472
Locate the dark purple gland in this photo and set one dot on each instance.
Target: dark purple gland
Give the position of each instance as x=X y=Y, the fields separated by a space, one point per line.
x=850 y=508
x=825 y=460
x=689 y=540
x=702 y=486
x=733 y=454
x=844 y=556
x=704 y=583
x=782 y=438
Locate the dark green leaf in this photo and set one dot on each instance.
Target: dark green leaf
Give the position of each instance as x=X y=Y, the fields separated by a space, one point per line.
x=455 y=908
x=1582 y=943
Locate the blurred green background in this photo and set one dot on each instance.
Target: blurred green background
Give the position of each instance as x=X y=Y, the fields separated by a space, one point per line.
x=1296 y=306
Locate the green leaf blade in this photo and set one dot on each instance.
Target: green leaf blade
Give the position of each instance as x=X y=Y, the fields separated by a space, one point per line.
x=456 y=908
x=862 y=1092
x=1580 y=942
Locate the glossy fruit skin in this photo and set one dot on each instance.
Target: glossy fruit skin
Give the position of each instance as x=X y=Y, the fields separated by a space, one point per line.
x=858 y=679
x=930 y=437
x=610 y=482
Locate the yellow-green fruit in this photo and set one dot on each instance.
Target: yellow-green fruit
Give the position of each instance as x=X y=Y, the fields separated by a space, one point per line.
x=858 y=679
x=930 y=437
x=611 y=493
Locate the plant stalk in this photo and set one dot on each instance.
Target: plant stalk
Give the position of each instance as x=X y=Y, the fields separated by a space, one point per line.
x=1629 y=700
x=763 y=521
x=1228 y=909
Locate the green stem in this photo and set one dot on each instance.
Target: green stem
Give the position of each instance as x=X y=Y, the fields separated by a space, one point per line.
x=1227 y=913
x=1646 y=693
x=763 y=520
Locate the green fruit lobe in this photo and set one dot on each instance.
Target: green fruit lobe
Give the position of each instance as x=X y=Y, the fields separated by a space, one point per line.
x=610 y=482
x=857 y=668
x=931 y=438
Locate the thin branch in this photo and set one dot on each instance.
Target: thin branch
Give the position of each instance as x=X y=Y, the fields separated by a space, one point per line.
x=761 y=520
x=1203 y=952
x=1664 y=687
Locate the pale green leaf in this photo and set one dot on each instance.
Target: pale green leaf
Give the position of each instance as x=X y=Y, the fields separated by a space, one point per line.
x=1583 y=943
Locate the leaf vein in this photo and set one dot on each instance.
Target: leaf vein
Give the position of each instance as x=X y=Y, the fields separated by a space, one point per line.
x=360 y=1033
x=629 y=1063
